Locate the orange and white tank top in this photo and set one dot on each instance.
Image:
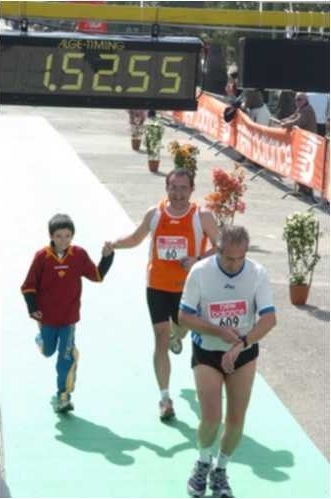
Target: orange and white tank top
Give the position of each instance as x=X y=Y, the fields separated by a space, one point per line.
x=173 y=238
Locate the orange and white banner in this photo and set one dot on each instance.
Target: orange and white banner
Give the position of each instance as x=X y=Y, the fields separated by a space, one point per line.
x=266 y=146
x=208 y=119
x=297 y=154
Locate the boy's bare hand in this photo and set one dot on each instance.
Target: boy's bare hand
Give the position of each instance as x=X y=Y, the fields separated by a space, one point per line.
x=38 y=315
x=107 y=249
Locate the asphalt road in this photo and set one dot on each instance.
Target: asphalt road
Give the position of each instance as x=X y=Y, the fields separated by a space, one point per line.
x=294 y=358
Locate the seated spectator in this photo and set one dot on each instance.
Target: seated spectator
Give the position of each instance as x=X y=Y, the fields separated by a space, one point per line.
x=304 y=116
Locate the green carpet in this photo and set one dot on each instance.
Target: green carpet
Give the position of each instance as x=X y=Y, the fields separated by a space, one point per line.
x=113 y=445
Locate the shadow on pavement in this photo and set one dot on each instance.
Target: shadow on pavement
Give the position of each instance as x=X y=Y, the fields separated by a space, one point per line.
x=90 y=437
x=321 y=315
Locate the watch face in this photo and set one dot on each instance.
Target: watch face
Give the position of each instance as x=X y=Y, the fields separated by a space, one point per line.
x=85 y=70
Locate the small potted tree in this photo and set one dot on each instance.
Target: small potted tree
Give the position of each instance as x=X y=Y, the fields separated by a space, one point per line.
x=227 y=198
x=137 y=119
x=153 y=133
x=301 y=233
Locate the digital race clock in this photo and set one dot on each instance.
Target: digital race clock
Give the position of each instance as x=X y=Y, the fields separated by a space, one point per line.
x=71 y=69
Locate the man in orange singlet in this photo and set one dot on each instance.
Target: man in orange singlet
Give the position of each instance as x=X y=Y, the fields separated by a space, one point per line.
x=179 y=232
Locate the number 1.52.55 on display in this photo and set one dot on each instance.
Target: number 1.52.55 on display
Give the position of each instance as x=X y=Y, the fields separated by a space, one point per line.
x=71 y=69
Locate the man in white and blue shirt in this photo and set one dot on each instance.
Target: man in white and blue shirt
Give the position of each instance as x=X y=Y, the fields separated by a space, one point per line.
x=227 y=303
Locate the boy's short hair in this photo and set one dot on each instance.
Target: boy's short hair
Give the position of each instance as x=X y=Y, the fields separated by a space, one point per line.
x=60 y=221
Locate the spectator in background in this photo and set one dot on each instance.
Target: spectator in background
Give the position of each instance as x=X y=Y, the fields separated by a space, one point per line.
x=286 y=104
x=137 y=117
x=233 y=93
x=231 y=88
x=254 y=105
x=304 y=117
x=320 y=102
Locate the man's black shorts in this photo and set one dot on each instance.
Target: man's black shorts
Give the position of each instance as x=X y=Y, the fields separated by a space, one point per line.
x=162 y=305
x=213 y=358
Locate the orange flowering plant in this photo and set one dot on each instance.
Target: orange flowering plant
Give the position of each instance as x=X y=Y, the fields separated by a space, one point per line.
x=184 y=155
x=227 y=196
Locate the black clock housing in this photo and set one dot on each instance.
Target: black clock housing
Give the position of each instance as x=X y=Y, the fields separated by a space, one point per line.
x=80 y=70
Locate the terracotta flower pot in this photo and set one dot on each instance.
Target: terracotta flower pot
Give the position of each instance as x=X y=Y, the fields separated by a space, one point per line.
x=135 y=143
x=299 y=294
x=153 y=165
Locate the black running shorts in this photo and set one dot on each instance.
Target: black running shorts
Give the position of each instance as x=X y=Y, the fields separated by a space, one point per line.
x=162 y=305
x=213 y=358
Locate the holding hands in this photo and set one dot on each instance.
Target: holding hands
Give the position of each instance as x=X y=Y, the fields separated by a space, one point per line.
x=107 y=249
x=38 y=315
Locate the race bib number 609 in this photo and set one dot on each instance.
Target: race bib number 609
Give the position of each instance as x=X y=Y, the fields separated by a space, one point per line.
x=229 y=313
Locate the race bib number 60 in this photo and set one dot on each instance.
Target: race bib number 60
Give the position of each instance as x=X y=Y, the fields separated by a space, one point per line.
x=171 y=247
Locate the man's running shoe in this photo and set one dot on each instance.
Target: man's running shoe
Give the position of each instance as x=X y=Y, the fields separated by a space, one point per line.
x=176 y=345
x=176 y=334
x=197 y=483
x=166 y=410
x=218 y=483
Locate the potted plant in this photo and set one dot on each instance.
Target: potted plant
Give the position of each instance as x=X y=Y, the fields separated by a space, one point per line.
x=153 y=133
x=137 y=118
x=226 y=199
x=301 y=233
x=184 y=155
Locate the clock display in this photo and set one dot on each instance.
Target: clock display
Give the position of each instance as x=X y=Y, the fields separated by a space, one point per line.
x=98 y=71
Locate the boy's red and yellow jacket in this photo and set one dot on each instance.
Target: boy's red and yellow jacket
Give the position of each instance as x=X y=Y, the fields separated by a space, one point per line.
x=53 y=285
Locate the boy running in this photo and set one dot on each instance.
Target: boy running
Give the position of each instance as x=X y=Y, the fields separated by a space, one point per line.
x=52 y=290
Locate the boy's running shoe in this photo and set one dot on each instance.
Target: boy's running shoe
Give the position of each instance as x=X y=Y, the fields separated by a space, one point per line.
x=218 y=483
x=39 y=342
x=65 y=406
x=197 y=483
x=62 y=405
x=166 y=410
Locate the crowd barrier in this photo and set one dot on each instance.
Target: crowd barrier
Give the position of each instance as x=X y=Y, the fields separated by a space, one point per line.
x=296 y=154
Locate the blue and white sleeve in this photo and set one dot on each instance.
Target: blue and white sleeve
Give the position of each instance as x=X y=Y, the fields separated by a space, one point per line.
x=264 y=298
x=191 y=294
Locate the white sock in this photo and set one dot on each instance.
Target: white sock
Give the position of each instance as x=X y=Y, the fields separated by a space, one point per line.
x=164 y=395
x=222 y=460
x=205 y=454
